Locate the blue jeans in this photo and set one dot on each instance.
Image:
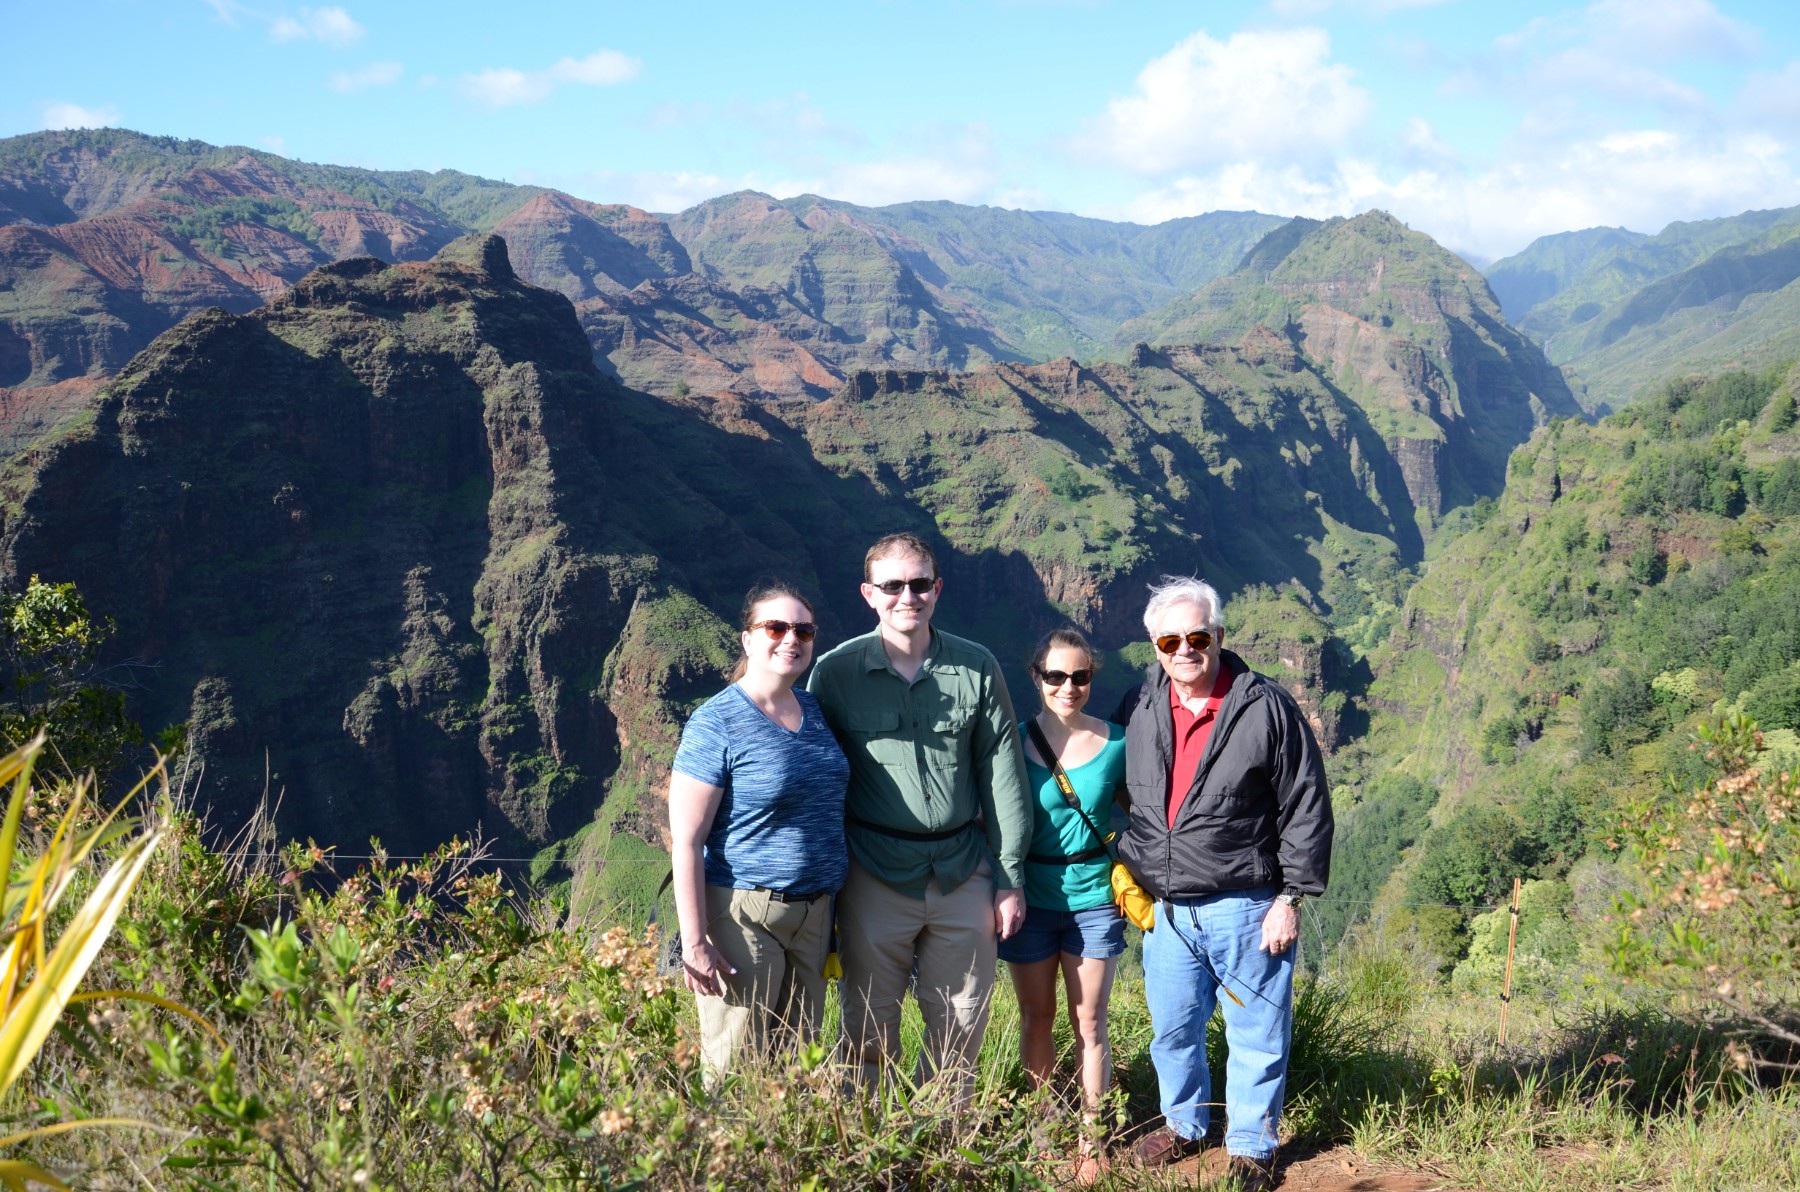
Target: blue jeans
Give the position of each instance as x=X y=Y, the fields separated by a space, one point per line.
x=1197 y=945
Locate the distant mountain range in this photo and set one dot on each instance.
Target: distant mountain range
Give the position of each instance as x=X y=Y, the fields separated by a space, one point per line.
x=108 y=238
x=1621 y=310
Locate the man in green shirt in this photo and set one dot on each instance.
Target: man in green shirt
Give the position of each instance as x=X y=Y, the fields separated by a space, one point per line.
x=938 y=819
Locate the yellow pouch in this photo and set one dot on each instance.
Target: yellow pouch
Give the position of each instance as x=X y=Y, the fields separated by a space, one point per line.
x=834 y=968
x=1133 y=900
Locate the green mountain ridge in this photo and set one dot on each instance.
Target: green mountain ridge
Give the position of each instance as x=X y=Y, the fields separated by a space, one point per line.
x=1408 y=329
x=1551 y=264
x=1735 y=309
x=1612 y=275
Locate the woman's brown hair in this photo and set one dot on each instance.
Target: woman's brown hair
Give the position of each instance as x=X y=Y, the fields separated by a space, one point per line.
x=1067 y=636
x=768 y=589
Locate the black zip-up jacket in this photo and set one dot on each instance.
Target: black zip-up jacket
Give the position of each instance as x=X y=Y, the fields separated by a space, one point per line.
x=1258 y=812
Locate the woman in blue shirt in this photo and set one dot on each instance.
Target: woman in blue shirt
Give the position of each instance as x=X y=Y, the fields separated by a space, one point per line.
x=756 y=812
x=1071 y=923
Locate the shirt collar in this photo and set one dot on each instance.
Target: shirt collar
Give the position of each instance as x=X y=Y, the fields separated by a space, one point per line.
x=875 y=655
x=1215 y=697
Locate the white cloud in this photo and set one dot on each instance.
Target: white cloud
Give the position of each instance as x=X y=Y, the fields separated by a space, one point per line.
x=275 y=144
x=228 y=11
x=602 y=68
x=503 y=86
x=1256 y=96
x=59 y=114
x=1424 y=143
x=332 y=26
x=375 y=74
x=1586 y=68
x=1773 y=99
x=1643 y=179
x=1668 y=30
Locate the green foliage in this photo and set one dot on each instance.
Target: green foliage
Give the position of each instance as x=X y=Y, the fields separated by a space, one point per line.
x=1649 y=566
x=207 y=225
x=1470 y=861
x=1776 y=489
x=1370 y=838
x=50 y=679
x=1774 y=702
x=1695 y=407
x=1544 y=950
x=1717 y=908
x=1616 y=711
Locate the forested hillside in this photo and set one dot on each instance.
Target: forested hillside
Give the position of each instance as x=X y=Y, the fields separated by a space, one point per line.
x=1548 y=671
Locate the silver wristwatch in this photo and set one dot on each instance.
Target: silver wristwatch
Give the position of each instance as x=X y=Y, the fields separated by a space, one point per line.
x=1292 y=900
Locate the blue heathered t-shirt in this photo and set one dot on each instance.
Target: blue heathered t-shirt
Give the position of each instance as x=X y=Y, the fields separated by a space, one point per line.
x=780 y=822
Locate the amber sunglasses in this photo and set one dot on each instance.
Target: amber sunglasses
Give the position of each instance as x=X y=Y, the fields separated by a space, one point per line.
x=1198 y=639
x=804 y=630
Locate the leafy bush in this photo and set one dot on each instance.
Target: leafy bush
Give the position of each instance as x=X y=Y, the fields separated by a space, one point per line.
x=1471 y=860
x=1616 y=711
x=1775 y=700
x=51 y=681
x=1717 y=913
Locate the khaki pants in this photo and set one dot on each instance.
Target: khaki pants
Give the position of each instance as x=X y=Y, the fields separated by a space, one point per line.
x=881 y=933
x=777 y=994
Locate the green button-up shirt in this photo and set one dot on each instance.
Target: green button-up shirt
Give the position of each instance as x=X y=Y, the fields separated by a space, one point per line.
x=927 y=755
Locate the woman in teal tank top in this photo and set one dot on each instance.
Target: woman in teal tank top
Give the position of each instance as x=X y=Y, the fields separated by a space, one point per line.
x=1071 y=924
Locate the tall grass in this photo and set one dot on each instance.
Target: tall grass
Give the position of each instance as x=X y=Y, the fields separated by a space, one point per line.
x=419 y=1026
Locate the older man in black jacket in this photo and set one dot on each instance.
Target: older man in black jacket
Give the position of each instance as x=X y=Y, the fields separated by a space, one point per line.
x=1230 y=830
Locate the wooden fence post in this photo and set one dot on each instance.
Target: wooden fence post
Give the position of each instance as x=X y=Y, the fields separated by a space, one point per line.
x=1512 y=938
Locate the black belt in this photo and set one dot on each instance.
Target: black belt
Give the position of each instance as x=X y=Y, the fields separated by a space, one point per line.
x=790 y=896
x=902 y=834
x=1099 y=850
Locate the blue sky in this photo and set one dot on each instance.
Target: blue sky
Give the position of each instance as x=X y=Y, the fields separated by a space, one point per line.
x=1485 y=125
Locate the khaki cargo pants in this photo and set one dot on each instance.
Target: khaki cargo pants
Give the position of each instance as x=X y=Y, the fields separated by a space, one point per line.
x=778 y=993
x=881 y=932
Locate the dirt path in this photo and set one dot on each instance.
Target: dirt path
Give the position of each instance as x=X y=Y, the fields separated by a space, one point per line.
x=1333 y=1169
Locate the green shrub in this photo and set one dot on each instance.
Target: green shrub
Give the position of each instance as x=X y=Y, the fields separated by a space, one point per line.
x=51 y=679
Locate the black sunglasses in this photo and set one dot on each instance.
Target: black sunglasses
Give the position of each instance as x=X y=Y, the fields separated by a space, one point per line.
x=804 y=630
x=1198 y=639
x=892 y=587
x=1080 y=678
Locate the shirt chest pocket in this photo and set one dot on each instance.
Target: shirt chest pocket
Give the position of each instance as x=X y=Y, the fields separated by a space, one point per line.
x=880 y=736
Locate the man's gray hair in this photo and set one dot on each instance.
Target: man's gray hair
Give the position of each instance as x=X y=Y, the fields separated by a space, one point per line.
x=1184 y=589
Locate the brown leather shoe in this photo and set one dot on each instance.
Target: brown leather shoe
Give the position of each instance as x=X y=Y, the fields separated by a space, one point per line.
x=1250 y=1175
x=1162 y=1146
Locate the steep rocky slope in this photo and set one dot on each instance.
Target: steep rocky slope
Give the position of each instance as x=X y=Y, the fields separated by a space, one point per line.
x=380 y=536
x=1406 y=329
x=1550 y=666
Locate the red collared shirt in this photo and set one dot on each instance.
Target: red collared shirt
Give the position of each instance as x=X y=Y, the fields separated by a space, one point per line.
x=1192 y=732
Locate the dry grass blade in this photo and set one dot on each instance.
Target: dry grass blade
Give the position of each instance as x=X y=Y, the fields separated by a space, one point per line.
x=15 y=1172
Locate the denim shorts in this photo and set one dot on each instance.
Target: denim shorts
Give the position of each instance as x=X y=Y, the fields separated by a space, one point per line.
x=1096 y=934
